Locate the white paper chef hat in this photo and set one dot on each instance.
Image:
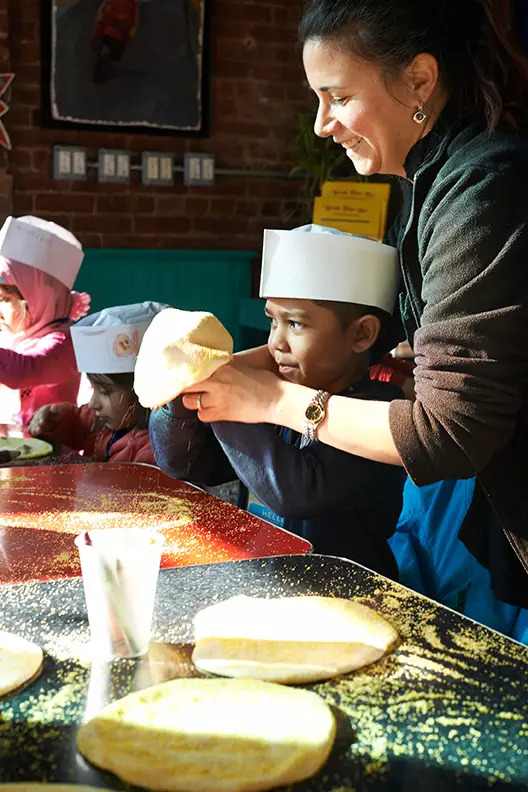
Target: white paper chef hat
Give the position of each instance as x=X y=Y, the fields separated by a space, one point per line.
x=314 y=262
x=46 y=246
x=107 y=342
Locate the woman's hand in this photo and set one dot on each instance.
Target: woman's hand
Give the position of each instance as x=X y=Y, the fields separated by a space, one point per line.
x=236 y=393
x=45 y=420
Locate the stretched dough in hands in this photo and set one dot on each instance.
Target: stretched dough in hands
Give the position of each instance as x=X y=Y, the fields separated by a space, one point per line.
x=19 y=661
x=211 y=735
x=289 y=639
x=179 y=349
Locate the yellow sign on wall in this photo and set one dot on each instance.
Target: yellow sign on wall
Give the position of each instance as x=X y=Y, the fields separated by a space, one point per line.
x=356 y=207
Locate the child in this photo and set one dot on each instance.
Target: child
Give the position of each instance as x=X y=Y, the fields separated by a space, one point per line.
x=327 y=293
x=112 y=426
x=39 y=262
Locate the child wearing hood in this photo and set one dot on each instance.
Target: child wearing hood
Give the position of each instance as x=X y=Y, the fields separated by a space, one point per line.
x=39 y=262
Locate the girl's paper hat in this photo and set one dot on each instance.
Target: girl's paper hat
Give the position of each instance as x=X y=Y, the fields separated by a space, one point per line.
x=107 y=342
x=318 y=263
x=46 y=246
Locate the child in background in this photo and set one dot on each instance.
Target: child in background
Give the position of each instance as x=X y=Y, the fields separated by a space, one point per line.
x=112 y=426
x=39 y=262
x=327 y=294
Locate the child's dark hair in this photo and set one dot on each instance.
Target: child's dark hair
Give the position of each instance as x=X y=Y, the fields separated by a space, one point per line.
x=123 y=380
x=346 y=312
x=481 y=62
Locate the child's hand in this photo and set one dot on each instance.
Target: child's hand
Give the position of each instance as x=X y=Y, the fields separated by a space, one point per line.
x=45 y=419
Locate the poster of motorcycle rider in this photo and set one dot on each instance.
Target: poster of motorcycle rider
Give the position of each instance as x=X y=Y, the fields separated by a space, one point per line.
x=137 y=64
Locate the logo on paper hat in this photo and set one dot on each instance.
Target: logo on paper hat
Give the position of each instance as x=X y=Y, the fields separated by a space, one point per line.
x=319 y=263
x=46 y=246
x=124 y=346
x=107 y=342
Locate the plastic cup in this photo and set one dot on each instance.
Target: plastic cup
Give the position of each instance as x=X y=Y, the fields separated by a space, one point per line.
x=120 y=574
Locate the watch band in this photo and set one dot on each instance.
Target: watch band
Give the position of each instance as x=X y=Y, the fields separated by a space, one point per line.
x=314 y=414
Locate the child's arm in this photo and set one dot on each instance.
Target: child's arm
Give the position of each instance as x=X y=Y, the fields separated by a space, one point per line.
x=46 y=363
x=65 y=423
x=185 y=448
x=302 y=483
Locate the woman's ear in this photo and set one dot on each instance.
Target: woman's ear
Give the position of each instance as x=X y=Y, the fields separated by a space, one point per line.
x=422 y=75
x=363 y=332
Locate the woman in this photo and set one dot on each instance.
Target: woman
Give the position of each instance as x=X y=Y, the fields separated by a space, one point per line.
x=436 y=93
x=39 y=262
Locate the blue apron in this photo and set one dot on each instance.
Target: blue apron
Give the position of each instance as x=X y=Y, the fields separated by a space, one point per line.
x=433 y=561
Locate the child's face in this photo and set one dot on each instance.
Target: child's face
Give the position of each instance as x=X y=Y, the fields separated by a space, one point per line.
x=116 y=407
x=309 y=345
x=13 y=313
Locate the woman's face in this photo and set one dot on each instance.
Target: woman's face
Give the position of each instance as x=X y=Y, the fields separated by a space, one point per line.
x=370 y=118
x=13 y=310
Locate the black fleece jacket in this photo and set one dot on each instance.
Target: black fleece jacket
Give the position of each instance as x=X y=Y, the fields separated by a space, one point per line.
x=463 y=243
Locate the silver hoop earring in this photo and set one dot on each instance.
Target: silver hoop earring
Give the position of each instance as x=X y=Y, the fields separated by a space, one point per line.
x=420 y=116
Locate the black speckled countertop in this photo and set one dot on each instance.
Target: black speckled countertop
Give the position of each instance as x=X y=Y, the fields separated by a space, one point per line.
x=447 y=709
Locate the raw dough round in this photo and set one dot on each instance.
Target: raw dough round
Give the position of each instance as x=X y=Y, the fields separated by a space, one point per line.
x=211 y=735
x=179 y=349
x=20 y=660
x=29 y=447
x=44 y=786
x=289 y=639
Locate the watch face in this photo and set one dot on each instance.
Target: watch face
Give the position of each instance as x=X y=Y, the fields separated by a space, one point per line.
x=314 y=413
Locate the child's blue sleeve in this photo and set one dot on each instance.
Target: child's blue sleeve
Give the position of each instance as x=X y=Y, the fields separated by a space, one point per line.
x=185 y=448
x=307 y=482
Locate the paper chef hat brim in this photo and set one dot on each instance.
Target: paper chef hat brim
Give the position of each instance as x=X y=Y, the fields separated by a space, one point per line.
x=313 y=265
x=107 y=350
x=107 y=342
x=43 y=245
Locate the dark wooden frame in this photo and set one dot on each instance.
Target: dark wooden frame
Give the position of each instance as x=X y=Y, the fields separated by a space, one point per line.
x=49 y=119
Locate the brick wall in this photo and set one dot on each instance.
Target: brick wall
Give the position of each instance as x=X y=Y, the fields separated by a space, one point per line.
x=256 y=88
x=6 y=180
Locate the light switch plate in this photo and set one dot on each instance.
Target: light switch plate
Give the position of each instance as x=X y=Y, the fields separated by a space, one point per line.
x=113 y=166
x=69 y=162
x=157 y=167
x=198 y=169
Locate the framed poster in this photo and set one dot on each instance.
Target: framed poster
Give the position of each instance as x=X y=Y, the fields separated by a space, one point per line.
x=132 y=65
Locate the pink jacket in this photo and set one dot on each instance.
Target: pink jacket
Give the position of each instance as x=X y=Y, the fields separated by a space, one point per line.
x=77 y=430
x=39 y=361
x=43 y=369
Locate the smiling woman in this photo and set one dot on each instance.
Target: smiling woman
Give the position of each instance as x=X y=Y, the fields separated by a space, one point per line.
x=434 y=92
x=374 y=125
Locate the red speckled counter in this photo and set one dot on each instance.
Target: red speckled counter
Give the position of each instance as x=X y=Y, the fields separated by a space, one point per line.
x=42 y=509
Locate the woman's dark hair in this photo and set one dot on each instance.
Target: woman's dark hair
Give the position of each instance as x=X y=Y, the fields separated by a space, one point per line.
x=480 y=60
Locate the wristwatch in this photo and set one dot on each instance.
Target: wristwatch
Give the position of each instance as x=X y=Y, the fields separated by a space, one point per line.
x=314 y=414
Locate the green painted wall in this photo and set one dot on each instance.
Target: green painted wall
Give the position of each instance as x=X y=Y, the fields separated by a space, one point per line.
x=194 y=280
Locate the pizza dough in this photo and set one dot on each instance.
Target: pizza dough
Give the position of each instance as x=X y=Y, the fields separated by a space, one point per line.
x=29 y=447
x=179 y=349
x=20 y=660
x=211 y=735
x=47 y=787
x=289 y=639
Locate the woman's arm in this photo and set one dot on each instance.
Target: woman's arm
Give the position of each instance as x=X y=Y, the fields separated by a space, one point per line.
x=238 y=394
x=257 y=358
